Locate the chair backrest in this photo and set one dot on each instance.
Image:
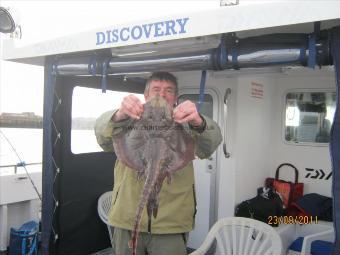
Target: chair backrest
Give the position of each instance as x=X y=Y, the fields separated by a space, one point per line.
x=104 y=204
x=23 y=241
x=241 y=236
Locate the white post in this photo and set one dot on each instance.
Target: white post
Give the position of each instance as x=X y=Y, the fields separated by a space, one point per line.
x=3 y=227
x=3 y=208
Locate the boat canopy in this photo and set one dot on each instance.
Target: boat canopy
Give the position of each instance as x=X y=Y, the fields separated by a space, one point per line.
x=200 y=29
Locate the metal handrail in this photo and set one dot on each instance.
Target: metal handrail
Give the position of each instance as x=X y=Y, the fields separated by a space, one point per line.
x=226 y=105
x=21 y=164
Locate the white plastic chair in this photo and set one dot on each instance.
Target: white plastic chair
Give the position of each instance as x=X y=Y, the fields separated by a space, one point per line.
x=241 y=236
x=327 y=235
x=104 y=205
x=310 y=232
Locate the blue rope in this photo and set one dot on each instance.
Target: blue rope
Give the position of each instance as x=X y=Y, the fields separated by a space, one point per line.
x=92 y=66
x=104 y=74
x=312 y=51
x=223 y=53
x=202 y=89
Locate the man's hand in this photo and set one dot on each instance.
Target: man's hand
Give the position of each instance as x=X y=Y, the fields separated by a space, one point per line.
x=131 y=107
x=186 y=112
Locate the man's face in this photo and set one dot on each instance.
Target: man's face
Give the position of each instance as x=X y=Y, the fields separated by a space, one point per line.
x=165 y=89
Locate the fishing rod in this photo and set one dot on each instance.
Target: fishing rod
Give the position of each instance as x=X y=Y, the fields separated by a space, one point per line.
x=22 y=163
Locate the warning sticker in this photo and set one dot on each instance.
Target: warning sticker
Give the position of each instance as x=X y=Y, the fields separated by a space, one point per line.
x=256 y=90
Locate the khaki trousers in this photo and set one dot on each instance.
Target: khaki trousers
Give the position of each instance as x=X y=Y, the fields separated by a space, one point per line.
x=150 y=244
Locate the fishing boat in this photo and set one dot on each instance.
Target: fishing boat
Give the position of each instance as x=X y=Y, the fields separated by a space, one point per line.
x=267 y=73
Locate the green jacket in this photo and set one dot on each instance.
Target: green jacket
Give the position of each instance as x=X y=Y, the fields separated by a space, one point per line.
x=177 y=203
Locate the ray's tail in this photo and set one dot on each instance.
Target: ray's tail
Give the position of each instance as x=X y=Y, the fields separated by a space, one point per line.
x=150 y=182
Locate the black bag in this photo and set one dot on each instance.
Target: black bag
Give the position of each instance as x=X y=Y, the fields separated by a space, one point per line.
x=318 y=206
x=261 y=208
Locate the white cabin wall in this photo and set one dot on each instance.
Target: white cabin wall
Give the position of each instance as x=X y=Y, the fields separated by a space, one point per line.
x=252 y=141
x=254 y=134
x=302 y=156
x=248 y=137
x=225 y=173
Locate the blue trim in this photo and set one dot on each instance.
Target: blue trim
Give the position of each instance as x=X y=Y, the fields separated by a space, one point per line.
x=335 y=140
x=202 y=89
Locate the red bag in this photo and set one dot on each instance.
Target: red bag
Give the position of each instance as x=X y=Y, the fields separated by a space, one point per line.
x=289 y=191
x=295 y=210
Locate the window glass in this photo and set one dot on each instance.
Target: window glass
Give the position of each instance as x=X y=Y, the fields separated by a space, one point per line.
x=87 y=105
x=207 y=105
x=309 y=116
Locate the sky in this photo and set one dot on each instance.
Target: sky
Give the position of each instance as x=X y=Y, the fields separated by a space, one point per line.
x=21 y=86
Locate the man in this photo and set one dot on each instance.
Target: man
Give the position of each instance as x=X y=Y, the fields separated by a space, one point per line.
x=167 y=234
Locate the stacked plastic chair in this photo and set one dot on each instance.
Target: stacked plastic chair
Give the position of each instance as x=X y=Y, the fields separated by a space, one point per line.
x=104 y=205
x=24 y=241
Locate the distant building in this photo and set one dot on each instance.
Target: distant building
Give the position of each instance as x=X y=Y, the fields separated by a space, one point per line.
x=30 y=120
x=20 y=120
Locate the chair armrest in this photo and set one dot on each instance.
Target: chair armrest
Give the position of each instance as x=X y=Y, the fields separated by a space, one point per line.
x=327 y=235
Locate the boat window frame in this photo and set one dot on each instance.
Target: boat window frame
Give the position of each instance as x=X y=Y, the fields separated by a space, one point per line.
x=71 y=115
x=283 y=118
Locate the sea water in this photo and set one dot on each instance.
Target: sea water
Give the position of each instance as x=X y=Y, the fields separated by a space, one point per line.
x=28 y=143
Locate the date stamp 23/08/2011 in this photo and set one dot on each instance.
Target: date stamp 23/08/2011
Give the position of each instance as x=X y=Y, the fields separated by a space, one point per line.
x=277 y=220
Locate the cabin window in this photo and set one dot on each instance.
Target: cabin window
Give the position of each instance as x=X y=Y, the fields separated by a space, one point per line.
x=87 y=105
x=207 y=106
x=309 y=116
